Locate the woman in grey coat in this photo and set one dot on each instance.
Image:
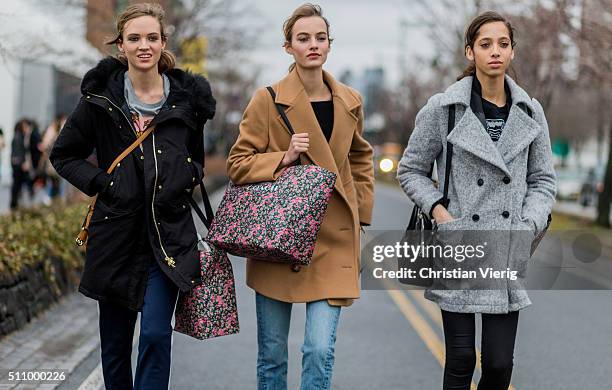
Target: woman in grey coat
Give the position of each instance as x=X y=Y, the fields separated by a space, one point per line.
x=502 y=179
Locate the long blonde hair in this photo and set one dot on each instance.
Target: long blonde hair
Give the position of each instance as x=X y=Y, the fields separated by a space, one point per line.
x=167 y=60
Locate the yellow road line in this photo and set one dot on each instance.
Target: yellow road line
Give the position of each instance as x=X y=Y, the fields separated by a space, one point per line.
x=419 y=324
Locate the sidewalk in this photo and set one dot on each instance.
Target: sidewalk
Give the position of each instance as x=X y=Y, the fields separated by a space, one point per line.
x=59 y=339
x=574 y=209
x=5 y=197
x=65 y=337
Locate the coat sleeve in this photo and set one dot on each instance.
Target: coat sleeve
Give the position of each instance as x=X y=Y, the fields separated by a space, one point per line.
x=424 y=145
x=204 y=106
x=362 y=170
x=76 y=142
x=249 y=161
x=541 y=179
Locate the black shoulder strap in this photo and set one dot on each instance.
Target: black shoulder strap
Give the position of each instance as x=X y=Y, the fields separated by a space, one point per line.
x=281 y=111
x=208 y=218
x=449 y=153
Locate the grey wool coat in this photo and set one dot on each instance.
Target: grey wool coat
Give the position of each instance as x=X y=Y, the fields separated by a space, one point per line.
x=507 y=185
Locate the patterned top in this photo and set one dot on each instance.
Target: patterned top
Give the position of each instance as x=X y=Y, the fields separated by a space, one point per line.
x=143 y=113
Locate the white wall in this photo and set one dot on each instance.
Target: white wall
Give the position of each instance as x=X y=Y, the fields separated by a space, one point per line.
x=10 y=75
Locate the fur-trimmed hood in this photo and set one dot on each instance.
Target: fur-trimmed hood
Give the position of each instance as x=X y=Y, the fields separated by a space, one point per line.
x=106 y=79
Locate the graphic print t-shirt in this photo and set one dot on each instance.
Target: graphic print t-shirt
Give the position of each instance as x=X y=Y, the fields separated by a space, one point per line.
x=494 y=117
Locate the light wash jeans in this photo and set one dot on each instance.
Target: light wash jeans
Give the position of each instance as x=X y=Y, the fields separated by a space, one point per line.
x=273 y=318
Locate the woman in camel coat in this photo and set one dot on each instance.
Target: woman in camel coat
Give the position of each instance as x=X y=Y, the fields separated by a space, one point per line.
x=261 y=153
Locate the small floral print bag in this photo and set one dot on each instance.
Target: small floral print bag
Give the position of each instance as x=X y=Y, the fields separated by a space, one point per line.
x=209 y=309
x=276 y=221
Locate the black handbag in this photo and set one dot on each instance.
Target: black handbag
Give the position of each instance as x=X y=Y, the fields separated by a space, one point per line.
x=421 y=229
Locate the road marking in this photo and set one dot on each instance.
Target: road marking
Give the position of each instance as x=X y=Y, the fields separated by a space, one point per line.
x=427 y=334
x=419 y=324
x=94 y=381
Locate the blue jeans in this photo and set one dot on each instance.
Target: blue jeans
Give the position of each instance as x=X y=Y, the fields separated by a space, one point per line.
x=273 y=318
x=154 y=345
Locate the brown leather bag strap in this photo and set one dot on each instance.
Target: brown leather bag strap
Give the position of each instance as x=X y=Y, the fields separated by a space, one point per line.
x=82 y=237
x=129 y=149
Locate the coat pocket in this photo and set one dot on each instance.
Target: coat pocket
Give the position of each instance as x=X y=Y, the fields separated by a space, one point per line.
x=455 y=224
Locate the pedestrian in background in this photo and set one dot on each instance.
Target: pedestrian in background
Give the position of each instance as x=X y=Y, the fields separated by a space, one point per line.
x=502 y=178
x=142 y=246
x=328 y=120
x=21 y=160
x=2 y=145
x=35 y=178
x=48 y=140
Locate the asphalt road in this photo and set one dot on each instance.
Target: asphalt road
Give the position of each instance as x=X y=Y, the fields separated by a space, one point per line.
x=393 y=339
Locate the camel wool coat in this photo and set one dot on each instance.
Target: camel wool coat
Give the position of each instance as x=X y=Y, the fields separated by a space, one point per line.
x=255 y=157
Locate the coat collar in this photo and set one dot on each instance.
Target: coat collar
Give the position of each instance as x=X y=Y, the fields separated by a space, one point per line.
x=469 y=134
x=290 y=88
x=290 y=92
x=460 y=93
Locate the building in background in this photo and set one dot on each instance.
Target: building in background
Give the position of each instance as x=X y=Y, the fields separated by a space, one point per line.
x=100 y=19
x=42 y=61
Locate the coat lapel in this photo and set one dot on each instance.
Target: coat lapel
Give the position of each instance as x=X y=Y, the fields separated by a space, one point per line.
x=345 y=121
x=291 y=93
x=519 y=132
x=470 y=136
x=520 y=129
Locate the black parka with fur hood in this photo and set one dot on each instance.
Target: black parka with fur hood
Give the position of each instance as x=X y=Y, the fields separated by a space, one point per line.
x=142 y=213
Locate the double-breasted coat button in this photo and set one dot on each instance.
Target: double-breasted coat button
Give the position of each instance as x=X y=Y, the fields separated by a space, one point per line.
x=158 y=151
x=480 y=182
x=506 y=180
x=142 y=157
x=505 y=214
x=110 y=109
x=475 y=217
x=111 y=183
x=159 y=186
x=188 y=159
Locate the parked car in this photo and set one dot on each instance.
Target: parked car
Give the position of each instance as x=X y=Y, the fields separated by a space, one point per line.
x=569 y=183
x=592 y=186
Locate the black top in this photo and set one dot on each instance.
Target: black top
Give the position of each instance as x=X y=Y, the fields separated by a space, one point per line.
x=493 y=117
x=324 y=112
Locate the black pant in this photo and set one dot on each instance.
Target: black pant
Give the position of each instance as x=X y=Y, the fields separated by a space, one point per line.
x=20 y=177
x=497 y=351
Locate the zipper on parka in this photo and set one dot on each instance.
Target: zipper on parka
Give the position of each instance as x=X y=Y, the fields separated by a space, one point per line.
x=168 y=259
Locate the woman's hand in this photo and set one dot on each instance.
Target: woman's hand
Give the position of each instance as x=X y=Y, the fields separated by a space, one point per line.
x=441 y=214
x=299 y=144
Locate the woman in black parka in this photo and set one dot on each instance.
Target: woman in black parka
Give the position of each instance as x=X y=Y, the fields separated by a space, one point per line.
x=142 y=246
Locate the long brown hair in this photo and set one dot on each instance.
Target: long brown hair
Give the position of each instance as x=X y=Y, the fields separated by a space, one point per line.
x=472 y=31
x=167 y=60
x=303 y=11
